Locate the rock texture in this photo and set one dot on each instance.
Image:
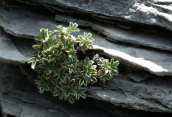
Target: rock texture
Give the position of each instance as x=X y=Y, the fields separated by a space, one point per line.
x=30 y=21
x=152 y=95
x=152 y=12
x=20 y=97
x=139 y=76
x=155 y=61
x=160 y=41
x=123 y=30
x=8 y=52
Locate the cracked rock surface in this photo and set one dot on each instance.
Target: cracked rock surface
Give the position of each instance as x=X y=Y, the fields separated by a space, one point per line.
x=8 y=51
x=135 y=32
x=152 y=12
x=114 y=33
x=20 y=97
x=154 y=61
x=152 y=95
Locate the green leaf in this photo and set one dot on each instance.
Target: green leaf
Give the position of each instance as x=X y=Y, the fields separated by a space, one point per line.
x=104 y=78
x=68 y=91
x=67 y=82
x=35 y=53
x=113 y=64
x=42 y=86
x=80 y=93
x=34 y=61
x=59 y=48
x=37 y=47
x=86 y=41
x=52 y=41
x=73 y=27
x=46 y=76
x=42 y=31
x=59 y=92
x=51 y=33
x=37 y=38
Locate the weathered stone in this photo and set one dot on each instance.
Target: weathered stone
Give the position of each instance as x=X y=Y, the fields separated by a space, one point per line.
x=139 y=76
x=19 y=97
x=153 y=95
x=160 y=41
x=24 y=46
x=18 y=108
x=30 y=21
x=155 y=61
x=29 y=2
x=152 y=12
x=8 y=52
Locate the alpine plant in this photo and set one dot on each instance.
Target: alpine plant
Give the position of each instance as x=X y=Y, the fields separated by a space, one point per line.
x=59 y=70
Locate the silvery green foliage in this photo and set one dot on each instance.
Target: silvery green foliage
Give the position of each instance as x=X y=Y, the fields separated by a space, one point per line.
x=60 y=72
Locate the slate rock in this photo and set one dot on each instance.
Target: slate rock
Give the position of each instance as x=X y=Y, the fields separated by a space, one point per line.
x=139 y=76
x=24 y=46
x=8 y=52
x=152 y=12
x=154 y=61
x=20 y=97
x=30 y=21
x=153 y=95
x=160 y=41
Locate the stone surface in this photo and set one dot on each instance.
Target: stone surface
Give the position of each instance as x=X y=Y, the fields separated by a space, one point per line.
x=154 y=61
x=18 y=93
x=152 y=12
x=139 y=76
x=28 y=2
x=30 y=21
x=19 y=97
x=153 y=95
x=24 y=46
x=8 y=52
x=155 y=40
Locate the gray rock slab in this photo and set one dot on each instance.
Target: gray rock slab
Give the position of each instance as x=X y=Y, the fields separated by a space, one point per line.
x=139 y=76
x=24 y=46
x=18 y=108
x=8 y=52
x=28 y=2
x=154 y=61
x=30 y=21
x=19 y=96
x=154 y=40
x=152 y=12
x=152 y=95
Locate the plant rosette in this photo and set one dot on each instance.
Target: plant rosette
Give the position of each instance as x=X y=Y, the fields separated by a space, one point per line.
x=59 y=70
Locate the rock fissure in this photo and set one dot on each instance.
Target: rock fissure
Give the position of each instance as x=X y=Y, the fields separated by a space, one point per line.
x=60 y=108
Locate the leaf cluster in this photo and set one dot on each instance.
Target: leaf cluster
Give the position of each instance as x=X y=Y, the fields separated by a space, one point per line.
x=59 y=70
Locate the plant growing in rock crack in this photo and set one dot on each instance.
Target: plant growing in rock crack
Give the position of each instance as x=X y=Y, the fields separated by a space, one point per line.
x=60 y=72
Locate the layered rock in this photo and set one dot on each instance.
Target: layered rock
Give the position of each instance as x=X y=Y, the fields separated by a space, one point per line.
x=8 y=51
x=152 y=12
x=135 y=49
x=114 y=33
x=153 y=95
x=20 y=97
x=155 y=61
